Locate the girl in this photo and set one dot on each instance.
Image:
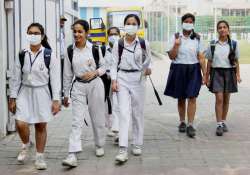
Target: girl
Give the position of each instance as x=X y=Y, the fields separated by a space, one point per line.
x=87 y=92
x=185 y=79
x=30 y=98
x=223 y=73
x=130 y=65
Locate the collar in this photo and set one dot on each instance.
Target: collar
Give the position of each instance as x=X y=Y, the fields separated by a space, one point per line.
x=217 y=41
x=88 y=45
x=29 y=50
x=136 y=40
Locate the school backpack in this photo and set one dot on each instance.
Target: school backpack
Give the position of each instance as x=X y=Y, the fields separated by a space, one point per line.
x=47 y=57
x=105 y=79
x=213 y=44
x=121 y=47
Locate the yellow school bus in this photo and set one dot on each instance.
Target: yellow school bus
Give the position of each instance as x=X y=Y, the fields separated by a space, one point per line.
x=115 y=18
x=97 y=32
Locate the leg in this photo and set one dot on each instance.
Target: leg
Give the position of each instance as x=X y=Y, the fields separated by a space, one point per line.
x=191 y=109
x=137 y=105
x=96 y=106
x=23 y=131
x=182 y=109
x=124 y=117
x=41 y=136
x=226 y=99
x=219 y=106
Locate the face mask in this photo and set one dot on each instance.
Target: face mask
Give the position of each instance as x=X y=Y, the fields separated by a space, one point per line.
x=112 y=39
x=188 y=26
x=130 y=29
x=34 y=39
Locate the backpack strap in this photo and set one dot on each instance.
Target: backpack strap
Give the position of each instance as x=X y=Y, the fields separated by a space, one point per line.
x=47 y=57
x=21 y=58
x=95 y=52
x=212 y=47
x=144 y=49
x=234 y=44
x=120 y=49
x=70 y=53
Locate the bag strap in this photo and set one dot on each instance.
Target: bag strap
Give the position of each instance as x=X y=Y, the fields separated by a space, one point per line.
x=47 y=57
x=21 y=58
x=212 y=47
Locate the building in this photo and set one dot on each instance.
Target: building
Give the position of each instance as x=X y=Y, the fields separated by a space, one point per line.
x=15 y=16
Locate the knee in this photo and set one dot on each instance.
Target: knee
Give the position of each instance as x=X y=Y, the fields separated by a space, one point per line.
x=21 y=125
x=40 y=127
x=182 y=102
x=219 y=101
x=192 y=101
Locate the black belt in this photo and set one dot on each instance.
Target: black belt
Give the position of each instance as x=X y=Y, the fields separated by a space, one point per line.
x=83 y=81
x=129 y=70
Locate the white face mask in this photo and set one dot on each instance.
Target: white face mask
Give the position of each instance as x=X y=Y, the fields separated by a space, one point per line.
x=34 y=39
x=112 y=39
x=188 y=26
x=131 y=29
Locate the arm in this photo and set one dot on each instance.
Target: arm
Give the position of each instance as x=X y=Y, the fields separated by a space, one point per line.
x=114 y=66
x=102 y=68
x=209 y=65
x=237 y=54
x=173 y=48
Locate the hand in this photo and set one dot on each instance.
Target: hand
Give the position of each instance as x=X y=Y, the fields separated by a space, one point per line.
x=66 y=102
x=208 y=82
x=56 y=107
x=89 y=75
x=177 y=41
x=204 y=80
x=239 y=80
x=12 y=105
x=115 y=87
x=147 y=71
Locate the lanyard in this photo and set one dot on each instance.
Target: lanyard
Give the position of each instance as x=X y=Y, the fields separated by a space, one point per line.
x=131 y=50
x=32 y=62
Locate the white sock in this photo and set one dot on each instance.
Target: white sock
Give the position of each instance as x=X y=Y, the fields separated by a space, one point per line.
x=39 y=154
x=219 y=124
x=24 y=146
x=182 y=121
x=190 y=123
x=223 y=121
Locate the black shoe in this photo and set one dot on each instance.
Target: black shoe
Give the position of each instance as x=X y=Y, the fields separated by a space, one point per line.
x=190 y=131
x=225 y=128
x=219 y=131
x=182 y=127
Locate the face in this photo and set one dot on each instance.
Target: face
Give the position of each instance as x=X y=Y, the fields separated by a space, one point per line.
x=113 y=32
x=188 y=20
x=223 y=29
x=131 y=21
x=62 y=22
x=34 y=31
x=80 y=34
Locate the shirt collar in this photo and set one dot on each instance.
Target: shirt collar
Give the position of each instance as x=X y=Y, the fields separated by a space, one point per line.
x=40 y=49
x=88 y=45
x=135 y=41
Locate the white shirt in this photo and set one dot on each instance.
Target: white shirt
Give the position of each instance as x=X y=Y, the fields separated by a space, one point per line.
x=36 y=75
x=130 y=60
x=82 y=62
x=188 y=50
x=221 y=52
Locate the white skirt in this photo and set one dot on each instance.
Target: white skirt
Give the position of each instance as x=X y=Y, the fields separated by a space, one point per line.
x=33 y=105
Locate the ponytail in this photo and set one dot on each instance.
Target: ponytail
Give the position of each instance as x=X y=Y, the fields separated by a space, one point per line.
x=231 y=55
x=194 y=35
x=44 y=42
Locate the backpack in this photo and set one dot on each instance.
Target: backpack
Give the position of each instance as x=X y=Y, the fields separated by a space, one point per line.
x=121 y=47
x=213 y=44
x=47 y=57
x=106 y=81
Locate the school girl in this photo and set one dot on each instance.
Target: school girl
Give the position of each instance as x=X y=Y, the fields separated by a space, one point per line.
x=113 y=120
x=35 y=92
x=185 y=78
x=223 y=72
x=132 y=59
x=87 y=91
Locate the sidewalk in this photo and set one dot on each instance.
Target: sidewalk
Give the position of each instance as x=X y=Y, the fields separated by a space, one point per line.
x=166 y=152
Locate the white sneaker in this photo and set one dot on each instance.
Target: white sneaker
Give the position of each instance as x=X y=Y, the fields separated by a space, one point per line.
x=40 y=164
x=23 y=155
x=70 y=161
x=136 y=151
x=122 y=156
x=99 y=152
x=111 y=133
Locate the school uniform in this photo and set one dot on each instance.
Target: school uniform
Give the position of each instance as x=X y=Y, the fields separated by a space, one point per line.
x=30 y=87
x=86 y=96
x=222 y=74
x=185 y=79
x=131 y=93
x=112 y=121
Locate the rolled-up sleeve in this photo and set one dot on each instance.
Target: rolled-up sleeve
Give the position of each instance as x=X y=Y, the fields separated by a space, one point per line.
x=67 y=76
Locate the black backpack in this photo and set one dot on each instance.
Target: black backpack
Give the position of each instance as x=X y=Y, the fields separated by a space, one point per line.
x=106 y=81
x=47 y=57
x=121 y=47
x=213 y=44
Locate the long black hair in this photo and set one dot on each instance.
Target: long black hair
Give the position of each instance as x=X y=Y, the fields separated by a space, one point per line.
x=193 y=34
x=132 y=16
x=232 y=55
x=44 y=41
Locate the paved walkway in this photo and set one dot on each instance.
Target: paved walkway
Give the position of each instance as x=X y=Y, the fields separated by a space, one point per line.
x=165 y=151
